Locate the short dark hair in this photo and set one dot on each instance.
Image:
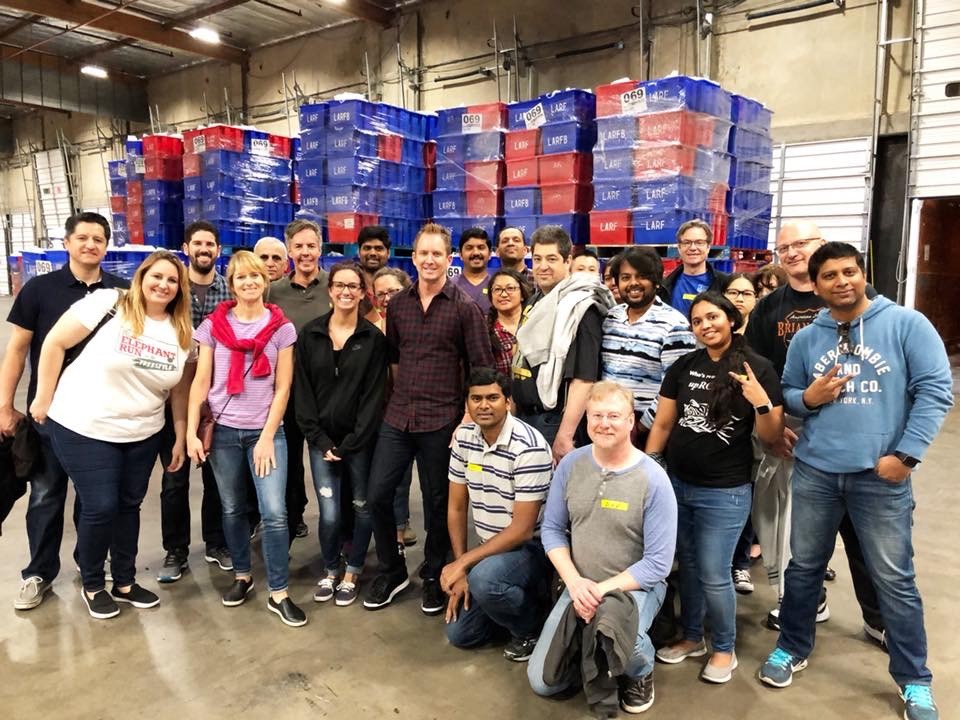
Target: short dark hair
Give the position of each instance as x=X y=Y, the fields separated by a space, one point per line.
x=645 y=261
x=87 y=217
x=552 y=235
x=586 y=252
x=473 y=233
x=373 y=232
x=198 y=226
x=833 y=251
x=489 y=376
x=352 y=267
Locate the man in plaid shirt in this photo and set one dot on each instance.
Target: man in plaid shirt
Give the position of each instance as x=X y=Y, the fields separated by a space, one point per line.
x=436 y=334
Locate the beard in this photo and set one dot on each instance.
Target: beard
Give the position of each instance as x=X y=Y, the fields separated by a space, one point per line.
x=644 y=301
x=203 y=263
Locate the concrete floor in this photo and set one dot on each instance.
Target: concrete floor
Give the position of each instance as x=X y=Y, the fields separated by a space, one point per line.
x=192 y=655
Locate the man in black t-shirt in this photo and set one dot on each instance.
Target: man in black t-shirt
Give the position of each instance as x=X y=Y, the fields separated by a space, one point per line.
x=35 y=310
x=773 y=323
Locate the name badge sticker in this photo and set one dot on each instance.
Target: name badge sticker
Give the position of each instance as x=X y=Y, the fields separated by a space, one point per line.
x=608 y=504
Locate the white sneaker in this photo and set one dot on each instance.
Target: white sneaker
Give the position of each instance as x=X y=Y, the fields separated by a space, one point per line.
x=32 y=590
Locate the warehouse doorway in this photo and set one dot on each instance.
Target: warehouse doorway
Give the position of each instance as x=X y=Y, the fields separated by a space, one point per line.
x=935 y=235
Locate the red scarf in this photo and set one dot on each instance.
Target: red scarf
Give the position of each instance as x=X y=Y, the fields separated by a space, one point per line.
x=223 y=333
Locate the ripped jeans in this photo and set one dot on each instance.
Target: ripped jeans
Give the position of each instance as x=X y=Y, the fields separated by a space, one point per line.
x=327 y=479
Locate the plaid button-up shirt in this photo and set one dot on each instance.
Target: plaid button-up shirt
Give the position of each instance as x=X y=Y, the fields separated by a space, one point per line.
x=216 y=294
x=434 y=351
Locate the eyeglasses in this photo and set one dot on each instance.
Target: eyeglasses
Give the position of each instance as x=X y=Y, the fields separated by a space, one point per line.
x=275 y=258
x=612 y=418
x=339 y=286
x=693 y=243
x=387 y=294
x=735 y=294
x=795 y=246
x=505 y=290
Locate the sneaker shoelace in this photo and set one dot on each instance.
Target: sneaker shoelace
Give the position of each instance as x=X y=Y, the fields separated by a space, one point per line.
x=780 y=658
x=918 y=695
x=33 y=583
x=346 y=585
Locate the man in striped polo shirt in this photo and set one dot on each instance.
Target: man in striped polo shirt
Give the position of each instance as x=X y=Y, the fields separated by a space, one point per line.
x=643 y=336
x=502 y=466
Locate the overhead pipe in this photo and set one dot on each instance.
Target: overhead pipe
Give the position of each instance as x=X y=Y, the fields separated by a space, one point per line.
x=757 y=14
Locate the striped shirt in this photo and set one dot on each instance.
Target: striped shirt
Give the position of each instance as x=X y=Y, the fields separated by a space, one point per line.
x=637 y=355
x=516 y=468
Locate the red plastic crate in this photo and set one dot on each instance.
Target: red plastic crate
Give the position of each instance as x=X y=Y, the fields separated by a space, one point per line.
x=390 y=148
x=484 y=175
x=295 y=193
x=522 y=144
x=522 y=172
x=566 y=168
x=717 y=199
x=484 y=203
x=718 y=223
x=664 y=159
x=493 y=116
x=566 y=198
x=134 y=192
x=163 y=168
x=214 y=137
x=135 y=232
x=134 y=213
x=611 y=227
x=162 y=146
x=343 y=227
x=118 y=204
x=192 y=165
x=279 y=146
x=676 y=126
x=608 y=97
x=669 y=265
x=430 y=154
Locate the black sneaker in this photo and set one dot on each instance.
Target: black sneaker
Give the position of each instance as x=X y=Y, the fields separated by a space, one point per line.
x=384 y=589
x=636 y=696
x=136 y=596
x=302 y=530
x=830 y=574
x=434 y=599
x=519 y=649
x=101 y=606
x=289 y=613
x=237 y=593
x=173 y=566
x=220 y=556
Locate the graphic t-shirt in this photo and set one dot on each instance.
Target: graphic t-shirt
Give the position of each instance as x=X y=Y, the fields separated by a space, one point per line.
x=699 y=452
x=115 y=389
x=686 y=289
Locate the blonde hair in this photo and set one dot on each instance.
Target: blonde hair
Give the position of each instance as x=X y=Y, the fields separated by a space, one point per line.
x=245 y=261
x=436 y=229
x=605 y=388
x=133 y=304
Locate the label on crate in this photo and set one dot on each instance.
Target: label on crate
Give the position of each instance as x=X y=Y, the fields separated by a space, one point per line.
x=452 y=272
x=199 y=144
x=139 y=165
x=535 y=117
x=471 y=123
x=348 y=223
x=44 y=267
x=259 y=146
x=633 y=102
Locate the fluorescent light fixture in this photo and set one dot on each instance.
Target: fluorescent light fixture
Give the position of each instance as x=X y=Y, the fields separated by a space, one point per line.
x=94 y=71
x=205 y=34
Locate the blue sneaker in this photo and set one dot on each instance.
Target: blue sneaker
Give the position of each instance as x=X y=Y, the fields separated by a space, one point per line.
x=779 y=668
x=918 y=703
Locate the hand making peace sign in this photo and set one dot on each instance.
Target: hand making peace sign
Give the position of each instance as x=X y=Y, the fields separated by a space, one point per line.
x=752 y=389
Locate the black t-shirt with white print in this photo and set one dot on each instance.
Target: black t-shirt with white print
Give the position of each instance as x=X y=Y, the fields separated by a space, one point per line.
x=698 y=452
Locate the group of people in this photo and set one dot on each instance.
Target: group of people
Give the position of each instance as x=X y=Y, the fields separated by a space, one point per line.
x=596 y=432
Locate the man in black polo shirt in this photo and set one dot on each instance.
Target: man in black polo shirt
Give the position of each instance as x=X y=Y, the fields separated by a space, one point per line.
x=36 y=309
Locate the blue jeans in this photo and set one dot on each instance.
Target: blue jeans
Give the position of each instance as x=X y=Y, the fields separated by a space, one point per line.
x=882 y=515
x=510 y=591
x=327 y=479
x=641 y=662
x=232 y=448
x=111 y=480
x=709 y=523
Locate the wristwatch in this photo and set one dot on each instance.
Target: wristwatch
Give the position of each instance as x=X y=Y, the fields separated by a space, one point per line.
x=764 y=409
x=908 y=460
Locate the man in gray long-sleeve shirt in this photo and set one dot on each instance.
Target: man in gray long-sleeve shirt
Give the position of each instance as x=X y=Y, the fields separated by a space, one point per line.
x=621 y=514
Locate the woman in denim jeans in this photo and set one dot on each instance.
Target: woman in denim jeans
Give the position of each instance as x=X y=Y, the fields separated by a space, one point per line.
x=244 y=371
x=710 y=401
x=341 y=375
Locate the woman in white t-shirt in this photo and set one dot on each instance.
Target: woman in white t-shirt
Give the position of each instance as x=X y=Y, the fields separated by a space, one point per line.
x=105 y=414
x=244 y=371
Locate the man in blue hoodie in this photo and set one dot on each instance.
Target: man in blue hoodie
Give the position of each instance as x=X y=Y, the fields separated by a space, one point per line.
x=870 y=372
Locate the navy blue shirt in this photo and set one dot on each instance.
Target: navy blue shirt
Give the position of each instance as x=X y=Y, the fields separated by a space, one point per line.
x=686 y=289
x=41 y=302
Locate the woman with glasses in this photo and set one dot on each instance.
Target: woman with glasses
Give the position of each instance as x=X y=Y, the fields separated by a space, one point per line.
x=508 y=292
x=710 y=401
x=341 y=377
x=739 y=289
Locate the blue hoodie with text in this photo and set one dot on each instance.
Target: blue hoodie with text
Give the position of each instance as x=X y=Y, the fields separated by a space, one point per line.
x=901 y=392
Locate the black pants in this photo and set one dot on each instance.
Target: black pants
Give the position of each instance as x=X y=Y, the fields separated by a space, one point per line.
x=394 y=452
x=862 y=584
x=296 y=493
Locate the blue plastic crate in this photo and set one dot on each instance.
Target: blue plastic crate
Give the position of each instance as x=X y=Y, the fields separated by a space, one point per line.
x=659 y=228
x=614 y=195
x=350 y=170
x=452 y=148
x=414 y=152
x=612 y=164
x=118 y=186
x=352 y=199
x=296 y=150
x=451 y=176
x=576 y=224
x=350 y=141
x=119 y=221
x=358 y=114
x=493 y=225
x=484 y=146
x=403 y=177
x=749 y=113
x=192 y=210
x=313 y=116
x=117 y=169
x=566 y=137
x=193 y=188
x=311 y=171
x=449 y=203
x=750 y=175
x=246 y=166
x=751 y=145
x=135 y=167
x=133 y=146
x=400 y=204
x=163 y=236
x=617 y=131
x=313 y=143
x=558 y=106
x=162 y=190
x=749 y=203
x=671 y=193
x=313 y=201
x=119 y=239
x=403 y=231
x=521 y=201
x=170 y=211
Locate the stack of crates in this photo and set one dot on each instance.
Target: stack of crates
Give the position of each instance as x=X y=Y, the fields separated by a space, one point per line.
x=163 y=190
x=750 y=201
x=135 y=166
x=660 y=160
x=117 y=177
x=239 y=179
x=364 y=163
x=471 y=168
x=549 y=162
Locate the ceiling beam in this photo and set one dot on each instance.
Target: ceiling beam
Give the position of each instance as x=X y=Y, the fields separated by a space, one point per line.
x=202 y=12
x=18 y=25
x=126 y=24
x=363 y=10
x=49 y=61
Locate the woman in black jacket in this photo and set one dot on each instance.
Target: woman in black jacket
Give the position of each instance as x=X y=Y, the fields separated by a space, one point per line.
x=340 y=376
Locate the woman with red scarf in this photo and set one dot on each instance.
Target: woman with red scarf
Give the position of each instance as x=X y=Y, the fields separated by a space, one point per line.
x=244 y=371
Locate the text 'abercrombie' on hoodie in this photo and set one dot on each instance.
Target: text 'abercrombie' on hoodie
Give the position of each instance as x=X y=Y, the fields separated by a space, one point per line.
x=901 y=392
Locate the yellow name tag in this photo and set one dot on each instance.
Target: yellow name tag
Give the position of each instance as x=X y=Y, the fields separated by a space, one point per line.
x=519 y=372
x=688 y=296
x=614 y=504
x=473 y=467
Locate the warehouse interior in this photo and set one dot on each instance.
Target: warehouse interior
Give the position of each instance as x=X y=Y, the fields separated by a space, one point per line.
x=865 y=140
